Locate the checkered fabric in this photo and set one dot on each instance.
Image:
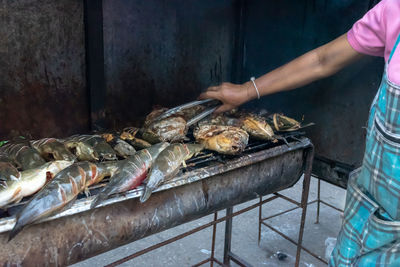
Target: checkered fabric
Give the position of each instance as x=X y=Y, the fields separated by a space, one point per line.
x=370 y=234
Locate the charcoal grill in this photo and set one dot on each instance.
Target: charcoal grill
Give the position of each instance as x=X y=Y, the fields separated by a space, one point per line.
x=209 y=183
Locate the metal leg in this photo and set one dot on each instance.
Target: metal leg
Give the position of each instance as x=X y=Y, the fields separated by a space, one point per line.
x=304 y=199
x=213 y=240
x=318 y=200
x=259 y=220
x=228 y=236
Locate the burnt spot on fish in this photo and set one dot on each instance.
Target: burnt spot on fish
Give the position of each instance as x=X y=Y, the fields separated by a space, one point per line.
x=49 y=176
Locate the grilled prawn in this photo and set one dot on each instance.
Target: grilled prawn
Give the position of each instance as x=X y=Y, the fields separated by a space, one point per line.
x=167 y=165
x=131 y=172
x=60 y=191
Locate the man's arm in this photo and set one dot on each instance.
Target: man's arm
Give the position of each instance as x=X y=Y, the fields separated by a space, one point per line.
x=316 y=64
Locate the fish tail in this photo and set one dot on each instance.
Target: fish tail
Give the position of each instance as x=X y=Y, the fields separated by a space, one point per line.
x=19 y=225
x=146 y=194
x=99 y=198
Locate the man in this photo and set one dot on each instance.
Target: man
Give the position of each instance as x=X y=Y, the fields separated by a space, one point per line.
x=370 y=233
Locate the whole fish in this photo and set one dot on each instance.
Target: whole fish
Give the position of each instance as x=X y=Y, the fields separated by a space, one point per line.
x=283 y=123
x=130 y=138
x=131 y=173
x=167 y=165
x=29 y=182
x=122 y=148
x=23 y=155
x=52 y=149
x=223 y=139
x=81 y=149
x=99 y=145
x=60 y=191
x=257 y=127
x=170 y=129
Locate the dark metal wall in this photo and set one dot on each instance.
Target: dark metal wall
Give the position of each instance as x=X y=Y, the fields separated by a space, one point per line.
x=277 y=31
x=164 y=52
x=42 y=66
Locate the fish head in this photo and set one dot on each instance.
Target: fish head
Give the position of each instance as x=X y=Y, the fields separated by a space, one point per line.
x=105 y=151
x=86 y=152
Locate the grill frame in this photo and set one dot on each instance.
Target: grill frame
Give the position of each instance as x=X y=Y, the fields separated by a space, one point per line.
x=216 y=187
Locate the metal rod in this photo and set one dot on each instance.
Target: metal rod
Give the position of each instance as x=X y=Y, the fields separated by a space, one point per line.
x=304 y=198
x=213 y=239
x=280 y=213
x=294 y=242
x=330 y=205
x=178 y=237
x=202 y=262
x=228 y=236
x=318 y=200
x=288 y=199
x=259 y=221
x=238 y=260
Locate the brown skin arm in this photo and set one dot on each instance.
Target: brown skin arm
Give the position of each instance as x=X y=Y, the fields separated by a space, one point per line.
x=314 y=65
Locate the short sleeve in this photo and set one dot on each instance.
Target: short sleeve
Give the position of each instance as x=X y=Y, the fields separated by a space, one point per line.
x=367 y=36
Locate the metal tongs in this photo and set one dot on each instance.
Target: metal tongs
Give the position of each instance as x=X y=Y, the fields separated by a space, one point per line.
x=215 y=104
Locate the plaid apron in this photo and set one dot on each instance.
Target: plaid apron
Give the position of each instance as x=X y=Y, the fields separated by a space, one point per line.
x=370 y=234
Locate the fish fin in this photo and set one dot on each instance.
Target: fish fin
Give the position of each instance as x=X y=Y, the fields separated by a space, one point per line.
x=87 y=191
x=146 y=194
x=99 y=198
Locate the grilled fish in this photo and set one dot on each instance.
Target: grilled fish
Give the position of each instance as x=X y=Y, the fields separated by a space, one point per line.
x=223 y=139
x=131 y=173
x=52 y=149
x=23 y=155
x=122 y=148
x=29 y=181
x=102 y=150
x=257 y=127
x=129 y=135
x=167 y=165
x=81 y=149
x=283 y=123
x=60 y=191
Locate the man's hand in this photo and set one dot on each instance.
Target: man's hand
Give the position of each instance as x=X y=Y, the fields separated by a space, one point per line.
x=231 y=95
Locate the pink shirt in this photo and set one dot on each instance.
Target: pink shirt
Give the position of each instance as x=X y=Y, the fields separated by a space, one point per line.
x=376 y=33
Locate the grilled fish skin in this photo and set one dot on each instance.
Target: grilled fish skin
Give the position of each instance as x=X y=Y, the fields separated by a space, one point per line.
x=23 y=155
x=283 y=123
x=131 y=172
x=223 y=139
x=59 y=192
x=82 y=150
x=122 y=148
x=52 y=149
x=29 y=182
x=257 y=127
x=130 y=138
x=100 y=146
x=167 y=165
x=171 y=129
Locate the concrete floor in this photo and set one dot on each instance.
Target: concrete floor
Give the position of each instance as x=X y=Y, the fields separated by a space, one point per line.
x=195 y=248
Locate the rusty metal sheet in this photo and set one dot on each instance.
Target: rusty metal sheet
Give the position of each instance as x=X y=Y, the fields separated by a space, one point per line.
x=161 y=52
x=119 y=223
x=42 y=66
x=280 y=30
